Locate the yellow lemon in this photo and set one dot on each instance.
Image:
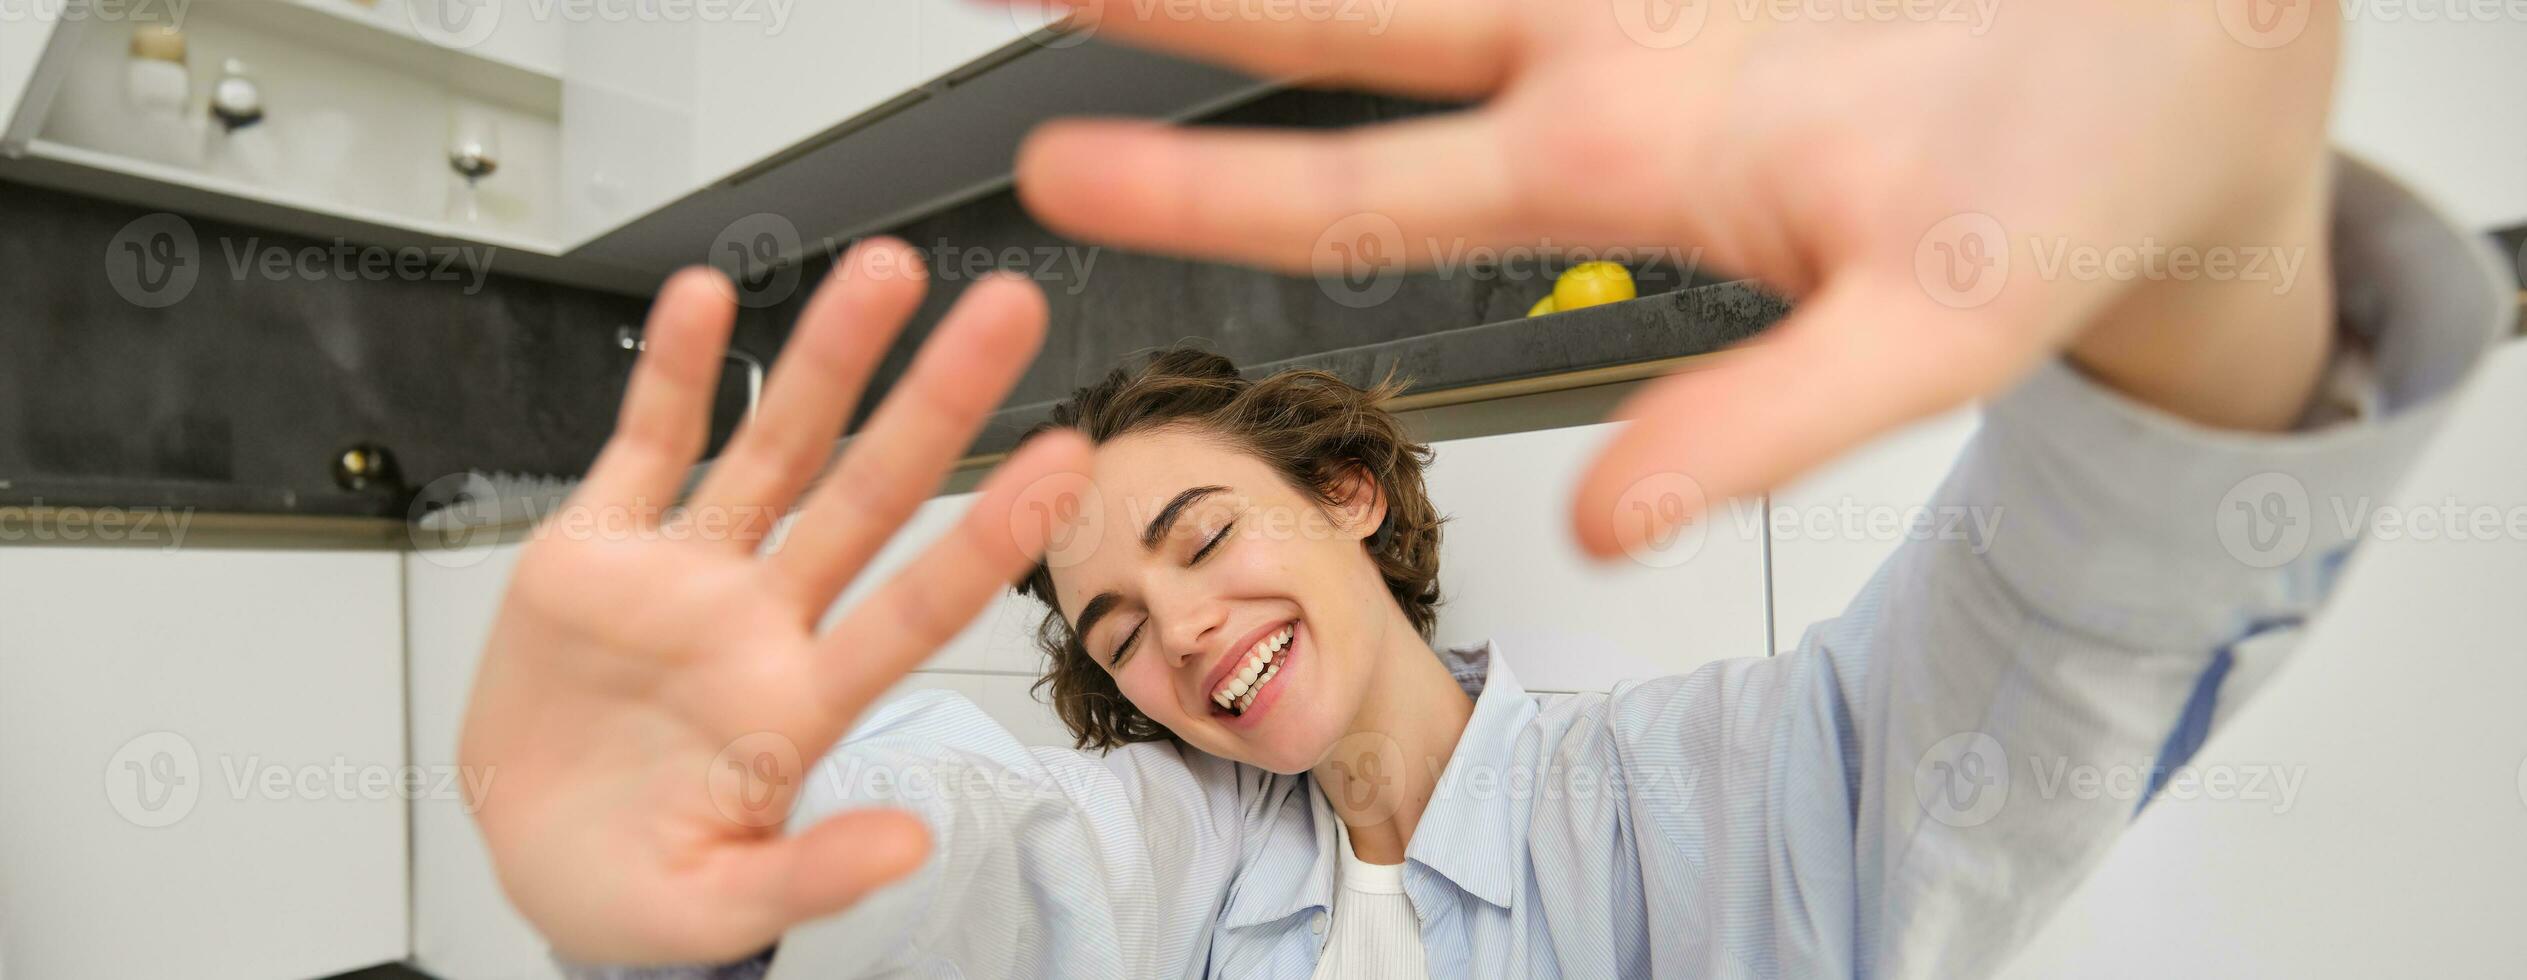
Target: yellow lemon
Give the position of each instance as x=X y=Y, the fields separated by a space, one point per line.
x=1543 y=306
x=1591 y=284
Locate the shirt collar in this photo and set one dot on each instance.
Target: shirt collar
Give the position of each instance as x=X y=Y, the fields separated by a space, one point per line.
x=1469 y=831
x=1463 y=836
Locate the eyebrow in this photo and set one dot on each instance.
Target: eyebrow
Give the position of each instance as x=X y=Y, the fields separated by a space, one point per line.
x=1166 y=519
x=1105 y=602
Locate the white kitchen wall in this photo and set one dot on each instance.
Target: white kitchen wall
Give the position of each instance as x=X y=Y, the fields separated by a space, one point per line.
x=2402 y=850
x=1831 y=529
x=2433 y=94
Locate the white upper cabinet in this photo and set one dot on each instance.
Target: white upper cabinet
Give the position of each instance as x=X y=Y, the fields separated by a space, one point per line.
x=608 y=141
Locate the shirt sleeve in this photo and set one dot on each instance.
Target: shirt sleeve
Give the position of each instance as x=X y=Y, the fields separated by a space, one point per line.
x=1111 y=864
x=1916 y=787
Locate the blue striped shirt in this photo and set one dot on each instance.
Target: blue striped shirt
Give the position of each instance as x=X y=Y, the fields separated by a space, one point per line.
x=1905 y=794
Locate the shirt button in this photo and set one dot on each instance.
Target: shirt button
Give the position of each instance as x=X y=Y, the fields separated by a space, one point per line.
x=1316 y=923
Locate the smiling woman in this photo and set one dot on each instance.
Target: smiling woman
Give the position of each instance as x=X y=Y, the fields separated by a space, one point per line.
x=1317 y=457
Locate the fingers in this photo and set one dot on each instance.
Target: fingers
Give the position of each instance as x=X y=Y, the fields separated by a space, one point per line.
x=783 y=881
x=666 y=415
x=1846 y=367
x=914 y=438
x=1455 y=48
x=1296 y=201
x=838 y=341
x=930 y=601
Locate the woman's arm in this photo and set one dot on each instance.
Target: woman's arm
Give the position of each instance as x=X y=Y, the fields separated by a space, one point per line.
x=1992 y=710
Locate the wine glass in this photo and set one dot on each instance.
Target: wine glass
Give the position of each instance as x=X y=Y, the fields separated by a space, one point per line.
x=473 y=151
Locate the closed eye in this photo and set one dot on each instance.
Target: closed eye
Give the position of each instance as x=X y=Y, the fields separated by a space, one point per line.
x=1208 y=546
x=1124 y=647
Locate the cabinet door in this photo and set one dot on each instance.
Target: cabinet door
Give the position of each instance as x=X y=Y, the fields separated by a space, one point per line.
x=204 y=760
x=463 y=927
x=27 y=77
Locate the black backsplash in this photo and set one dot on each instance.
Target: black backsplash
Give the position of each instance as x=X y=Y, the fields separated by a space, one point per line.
x=240 y=396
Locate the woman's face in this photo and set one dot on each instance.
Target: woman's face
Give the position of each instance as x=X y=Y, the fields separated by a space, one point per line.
x=1197 y=572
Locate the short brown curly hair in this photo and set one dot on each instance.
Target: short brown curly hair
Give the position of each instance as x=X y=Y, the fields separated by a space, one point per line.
x=1310 y=426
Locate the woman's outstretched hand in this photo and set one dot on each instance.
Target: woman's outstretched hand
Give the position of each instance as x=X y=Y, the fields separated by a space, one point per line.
x=1952 y=190
x=656 y=684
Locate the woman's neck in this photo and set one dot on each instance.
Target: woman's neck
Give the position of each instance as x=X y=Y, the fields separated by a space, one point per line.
x=1380 y=776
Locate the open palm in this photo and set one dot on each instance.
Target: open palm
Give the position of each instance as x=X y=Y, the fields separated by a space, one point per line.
x=1904 y=170
x=655 y=685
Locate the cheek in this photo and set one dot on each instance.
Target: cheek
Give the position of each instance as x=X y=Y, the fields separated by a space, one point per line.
x=1149 y=689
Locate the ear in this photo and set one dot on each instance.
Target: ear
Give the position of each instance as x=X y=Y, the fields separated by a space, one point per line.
x=1359 y=505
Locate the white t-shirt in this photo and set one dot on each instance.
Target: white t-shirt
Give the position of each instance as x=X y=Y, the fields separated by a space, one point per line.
x=1374 y=935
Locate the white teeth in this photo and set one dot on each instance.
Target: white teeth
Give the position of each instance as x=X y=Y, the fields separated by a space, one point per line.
x=1238 y=691
x=1249 y=700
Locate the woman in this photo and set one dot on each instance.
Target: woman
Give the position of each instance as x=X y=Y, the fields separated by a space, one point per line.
x=1244 y=601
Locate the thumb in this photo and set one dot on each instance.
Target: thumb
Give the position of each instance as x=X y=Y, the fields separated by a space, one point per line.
x=1861 y=357
x=830 y=866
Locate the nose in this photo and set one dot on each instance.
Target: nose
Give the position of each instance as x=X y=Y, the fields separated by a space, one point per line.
x=1187 y=624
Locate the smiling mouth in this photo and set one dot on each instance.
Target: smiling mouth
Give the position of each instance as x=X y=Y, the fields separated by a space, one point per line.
x=1262 y=663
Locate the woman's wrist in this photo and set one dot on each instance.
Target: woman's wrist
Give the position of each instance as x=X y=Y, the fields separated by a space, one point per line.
x=2231 y=331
